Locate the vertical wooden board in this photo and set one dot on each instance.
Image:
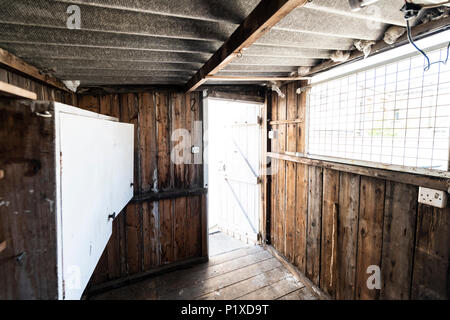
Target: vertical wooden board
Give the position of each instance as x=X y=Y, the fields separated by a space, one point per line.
x=274 y=203
x=89 y=102
x=281 y=212
x=163 y=139
x=197 y=138
x=301 y=216
x=113 y=252
x=290 y=210
x=194 y=239
x=150 y=226
x=330 y=210
x=274 y=115
x=189 y=103
x=178 y=138
x=282 y=115
x=398 y=240
x=431 y=275
x=166 y=228
x=313 y=237
x=147 y=143
x=301 y=114
x=274 y=166
x=129 y=112
x=370 y=232
x=134 y=239
x=204 y=226
x=281 y=187
x=4 y=75
x=291 y=104
x=180 y=229
x=349 y=188
x=105 y=105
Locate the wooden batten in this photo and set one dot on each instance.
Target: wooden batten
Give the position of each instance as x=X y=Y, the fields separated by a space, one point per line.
x=397 y=176
x=10 y=91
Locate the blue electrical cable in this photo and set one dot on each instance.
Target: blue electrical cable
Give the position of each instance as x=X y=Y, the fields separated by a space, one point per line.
x=429 y=64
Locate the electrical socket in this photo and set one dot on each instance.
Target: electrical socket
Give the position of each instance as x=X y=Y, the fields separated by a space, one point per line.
x=431 y=197
x=272 y=134
x=195 y=149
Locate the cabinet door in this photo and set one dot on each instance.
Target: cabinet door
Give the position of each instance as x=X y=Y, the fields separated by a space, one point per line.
x=93 y=186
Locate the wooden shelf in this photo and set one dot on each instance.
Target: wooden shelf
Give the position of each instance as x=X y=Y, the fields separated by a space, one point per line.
x=10 y=91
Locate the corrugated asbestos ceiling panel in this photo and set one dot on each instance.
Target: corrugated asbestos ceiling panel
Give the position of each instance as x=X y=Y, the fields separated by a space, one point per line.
x=167 y=41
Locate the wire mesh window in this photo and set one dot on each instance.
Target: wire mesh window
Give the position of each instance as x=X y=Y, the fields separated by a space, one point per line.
x=393 y=114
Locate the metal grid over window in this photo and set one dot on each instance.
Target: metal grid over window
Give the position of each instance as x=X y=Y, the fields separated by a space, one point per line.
x=396 y=114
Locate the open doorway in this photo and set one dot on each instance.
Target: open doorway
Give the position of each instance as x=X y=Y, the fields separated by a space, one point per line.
x=233 y=170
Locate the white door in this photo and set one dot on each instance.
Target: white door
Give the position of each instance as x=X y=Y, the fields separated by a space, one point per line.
x=234 y=168
x=96 y=177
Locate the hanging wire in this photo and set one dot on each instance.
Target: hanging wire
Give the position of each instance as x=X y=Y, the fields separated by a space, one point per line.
x=429 y=63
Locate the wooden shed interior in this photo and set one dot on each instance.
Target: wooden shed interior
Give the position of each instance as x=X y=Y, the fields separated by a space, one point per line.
x=340 y=165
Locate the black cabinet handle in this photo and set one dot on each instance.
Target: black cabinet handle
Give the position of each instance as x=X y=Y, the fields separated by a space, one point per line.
x=112 y=216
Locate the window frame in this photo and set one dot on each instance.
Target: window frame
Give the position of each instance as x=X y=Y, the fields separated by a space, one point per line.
x=364 y=163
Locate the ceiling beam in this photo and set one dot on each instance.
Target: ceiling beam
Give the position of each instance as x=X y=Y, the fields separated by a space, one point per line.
x=10 y=61
x=266 y=15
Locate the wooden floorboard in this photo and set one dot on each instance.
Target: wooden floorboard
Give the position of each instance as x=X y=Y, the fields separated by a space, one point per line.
x=300 y=294
x=217 y=283
x=275 y=290
x=248 y=273
x=245 y=287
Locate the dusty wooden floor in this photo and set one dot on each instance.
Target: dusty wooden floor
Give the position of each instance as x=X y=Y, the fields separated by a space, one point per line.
x=250 y=273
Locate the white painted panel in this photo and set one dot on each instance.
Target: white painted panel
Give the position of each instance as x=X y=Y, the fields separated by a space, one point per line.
x=122 y=165
x=96 y=172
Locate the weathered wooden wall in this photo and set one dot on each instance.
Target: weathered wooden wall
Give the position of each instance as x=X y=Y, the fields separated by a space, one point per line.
x=43 y=91
x=332 y=225
x=27 y=204
x=152 y=233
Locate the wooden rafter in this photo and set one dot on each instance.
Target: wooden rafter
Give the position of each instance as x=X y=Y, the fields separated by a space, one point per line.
x=12 y=62
x=266 y=15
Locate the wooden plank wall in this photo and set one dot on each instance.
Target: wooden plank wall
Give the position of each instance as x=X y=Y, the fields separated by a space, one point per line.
x=43 y=91
x=332 y=225
x=149 y=234
x=27 y=219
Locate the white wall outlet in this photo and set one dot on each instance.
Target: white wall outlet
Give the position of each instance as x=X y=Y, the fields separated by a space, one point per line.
x=431 y=197
x=195 y=149
x=272 y=134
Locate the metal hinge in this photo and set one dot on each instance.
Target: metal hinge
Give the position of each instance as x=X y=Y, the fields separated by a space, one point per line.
x=259 y=120
x=259 y=237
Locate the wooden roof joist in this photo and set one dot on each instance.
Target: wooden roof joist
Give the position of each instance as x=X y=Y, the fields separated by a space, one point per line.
x=266 y=15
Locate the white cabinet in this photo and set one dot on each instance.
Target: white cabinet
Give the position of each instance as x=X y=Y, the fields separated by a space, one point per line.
x=67 y=173
x=94 y=157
